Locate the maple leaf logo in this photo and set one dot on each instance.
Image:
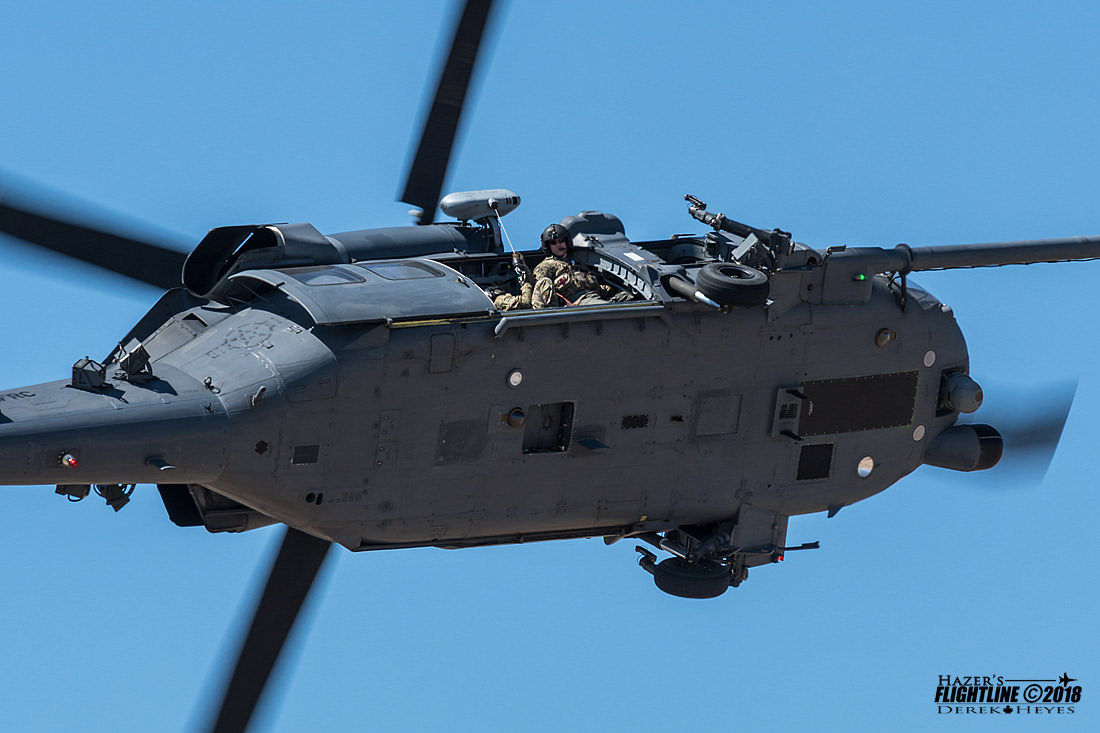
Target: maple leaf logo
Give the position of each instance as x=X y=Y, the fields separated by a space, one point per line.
x=1008 y=709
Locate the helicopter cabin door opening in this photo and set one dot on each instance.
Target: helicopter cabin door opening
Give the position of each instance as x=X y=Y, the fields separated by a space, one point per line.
x=548 y=428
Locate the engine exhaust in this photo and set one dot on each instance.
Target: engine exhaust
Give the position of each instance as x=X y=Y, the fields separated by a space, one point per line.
x=966 y=448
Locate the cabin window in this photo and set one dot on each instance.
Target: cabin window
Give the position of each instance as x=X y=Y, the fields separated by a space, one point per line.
x=548 y=428
x=304 y=454
x=717 y=412
x=323 y=276
x=399 y=270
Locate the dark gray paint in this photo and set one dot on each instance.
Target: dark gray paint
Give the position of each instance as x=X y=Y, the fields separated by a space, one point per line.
x=397 y=390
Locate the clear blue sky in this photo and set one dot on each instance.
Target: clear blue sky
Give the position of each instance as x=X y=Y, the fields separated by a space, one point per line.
x=844 y=123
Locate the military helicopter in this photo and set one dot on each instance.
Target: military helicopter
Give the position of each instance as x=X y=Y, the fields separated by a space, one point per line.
x=676 y=295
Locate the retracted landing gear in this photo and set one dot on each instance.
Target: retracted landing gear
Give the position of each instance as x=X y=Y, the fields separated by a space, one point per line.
x=678 y=577
x=705 y=561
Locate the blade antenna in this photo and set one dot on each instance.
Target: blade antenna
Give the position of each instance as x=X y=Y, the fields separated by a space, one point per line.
x=292 y=574
x=429 y=167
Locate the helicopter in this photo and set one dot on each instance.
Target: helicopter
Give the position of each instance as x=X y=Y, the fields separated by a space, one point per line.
x=154 y=369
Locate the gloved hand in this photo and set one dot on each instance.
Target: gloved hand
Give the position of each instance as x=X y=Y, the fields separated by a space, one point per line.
x=523 y=272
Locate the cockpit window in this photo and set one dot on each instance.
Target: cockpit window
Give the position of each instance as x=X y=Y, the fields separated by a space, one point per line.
x=402 y=270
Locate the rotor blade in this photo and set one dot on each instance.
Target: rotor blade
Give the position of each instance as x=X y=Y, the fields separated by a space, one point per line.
x=429 y=167
x=296 y=566
x=1031 y=422
x=146 y=262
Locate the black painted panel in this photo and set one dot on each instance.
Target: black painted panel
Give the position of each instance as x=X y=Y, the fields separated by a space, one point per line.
x=814 y=461
x=858 y=403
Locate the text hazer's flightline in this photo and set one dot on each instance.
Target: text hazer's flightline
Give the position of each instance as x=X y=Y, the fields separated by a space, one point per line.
x=994 y=690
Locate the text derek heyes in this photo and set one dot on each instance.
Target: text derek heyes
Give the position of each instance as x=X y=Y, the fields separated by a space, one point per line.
x=996 y=695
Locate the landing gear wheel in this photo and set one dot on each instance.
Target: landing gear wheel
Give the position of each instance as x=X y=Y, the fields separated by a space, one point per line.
x=738 y=576
x=728 y=283
x=704 y=579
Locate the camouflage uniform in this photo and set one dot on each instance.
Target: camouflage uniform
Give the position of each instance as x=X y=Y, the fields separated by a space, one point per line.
x=508 y=302
x=505 y=301
x=574 y=282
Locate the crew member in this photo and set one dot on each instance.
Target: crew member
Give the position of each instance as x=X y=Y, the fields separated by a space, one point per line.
x=561 y=281
x=503 y=300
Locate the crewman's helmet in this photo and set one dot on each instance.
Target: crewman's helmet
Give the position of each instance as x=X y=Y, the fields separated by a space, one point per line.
x=554 y=232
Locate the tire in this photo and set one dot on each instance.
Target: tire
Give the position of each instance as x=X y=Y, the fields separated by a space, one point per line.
x=728 y=283
x=704 y=579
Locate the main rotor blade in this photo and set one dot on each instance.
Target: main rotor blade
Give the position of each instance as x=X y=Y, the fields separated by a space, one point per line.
x=429 y=167
x=140 y=260
x=296 y=566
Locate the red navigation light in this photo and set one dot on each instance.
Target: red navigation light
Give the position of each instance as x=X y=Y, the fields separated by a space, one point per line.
x=780 y=558
x=68 y=460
